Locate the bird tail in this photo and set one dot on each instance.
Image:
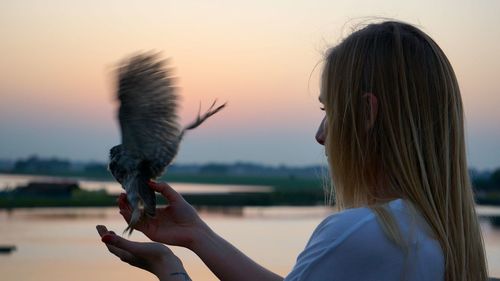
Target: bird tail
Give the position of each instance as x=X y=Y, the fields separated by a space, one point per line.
x=134 y=220
x=202 y=117
x=142 y=200
x=147 y=195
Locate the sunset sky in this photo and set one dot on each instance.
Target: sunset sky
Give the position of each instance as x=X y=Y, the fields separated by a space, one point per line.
x=57 y=82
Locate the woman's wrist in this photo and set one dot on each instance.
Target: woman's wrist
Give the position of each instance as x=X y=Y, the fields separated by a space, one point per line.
x=168 y=269
x=199 y=237
x=174 y=276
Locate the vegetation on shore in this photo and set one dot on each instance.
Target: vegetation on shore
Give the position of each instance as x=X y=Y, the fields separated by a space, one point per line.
x=289 y=185
x=298 y=195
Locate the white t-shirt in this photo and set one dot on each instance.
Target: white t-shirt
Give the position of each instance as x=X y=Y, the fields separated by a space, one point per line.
x=351 y=246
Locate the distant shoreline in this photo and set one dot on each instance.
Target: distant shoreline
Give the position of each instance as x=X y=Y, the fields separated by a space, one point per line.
x=293 y=191
x=284 y=191
x=282 y=183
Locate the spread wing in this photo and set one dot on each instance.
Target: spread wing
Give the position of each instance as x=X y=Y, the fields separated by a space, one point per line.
x=148 y=107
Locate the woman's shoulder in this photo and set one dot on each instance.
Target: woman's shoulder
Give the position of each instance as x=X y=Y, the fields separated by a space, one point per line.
x=340 y=243
x=343 y=224
x=345 y=241
x=360 y=225
x=339 y=225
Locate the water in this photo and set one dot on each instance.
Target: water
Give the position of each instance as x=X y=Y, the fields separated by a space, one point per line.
x=62 y=244
x=12 y=181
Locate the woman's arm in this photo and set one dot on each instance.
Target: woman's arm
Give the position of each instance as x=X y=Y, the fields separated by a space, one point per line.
x=226 y=261
x=179 y=224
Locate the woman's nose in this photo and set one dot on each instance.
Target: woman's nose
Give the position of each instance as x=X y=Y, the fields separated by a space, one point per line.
x=320 y=134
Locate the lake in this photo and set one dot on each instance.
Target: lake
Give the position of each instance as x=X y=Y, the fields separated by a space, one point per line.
x=62 y=243
x=112 y=187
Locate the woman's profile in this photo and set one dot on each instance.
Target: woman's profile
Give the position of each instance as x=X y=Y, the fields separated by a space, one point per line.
x=393 y=134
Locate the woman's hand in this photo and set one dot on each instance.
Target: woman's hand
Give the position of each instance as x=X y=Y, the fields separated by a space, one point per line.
x=179 y=224
x=176 y=224
x=153 y=257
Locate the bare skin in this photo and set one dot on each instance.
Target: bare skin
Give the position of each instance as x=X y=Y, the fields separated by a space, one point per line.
x=153 y=257
x=179 y=224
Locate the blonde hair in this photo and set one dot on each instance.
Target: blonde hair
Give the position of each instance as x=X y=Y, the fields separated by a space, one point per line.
x=415 y=148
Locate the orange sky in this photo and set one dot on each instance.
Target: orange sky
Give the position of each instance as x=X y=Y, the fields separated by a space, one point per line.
x=57 y=57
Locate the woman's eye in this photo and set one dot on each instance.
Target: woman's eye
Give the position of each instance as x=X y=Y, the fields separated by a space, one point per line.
x=322 y=108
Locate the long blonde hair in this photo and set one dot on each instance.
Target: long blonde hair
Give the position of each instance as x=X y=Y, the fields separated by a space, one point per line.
x=415 y=148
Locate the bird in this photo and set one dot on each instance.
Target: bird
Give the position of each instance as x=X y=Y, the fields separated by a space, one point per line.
x=150 y=130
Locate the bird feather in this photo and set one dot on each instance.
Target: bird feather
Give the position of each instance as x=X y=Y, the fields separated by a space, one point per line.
x=150 y=130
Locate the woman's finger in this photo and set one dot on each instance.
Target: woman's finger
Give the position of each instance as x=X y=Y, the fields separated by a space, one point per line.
x=141 y=225
x=126 y=215
x=166 y=190
x=122 y=254
x=101 y=229
x=123 y=202
x=124 y=207
x=121 y=244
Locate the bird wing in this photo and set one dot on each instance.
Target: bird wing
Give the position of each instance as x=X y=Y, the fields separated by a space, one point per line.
x=148 y=106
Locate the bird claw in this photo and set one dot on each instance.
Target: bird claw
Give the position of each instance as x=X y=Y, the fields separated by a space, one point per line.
x=202 y=117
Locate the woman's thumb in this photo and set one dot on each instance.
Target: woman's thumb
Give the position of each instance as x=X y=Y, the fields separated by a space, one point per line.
x=119 y=242
x=166 y=190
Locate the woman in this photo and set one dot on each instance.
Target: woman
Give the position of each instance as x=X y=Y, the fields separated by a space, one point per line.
x=394 y=136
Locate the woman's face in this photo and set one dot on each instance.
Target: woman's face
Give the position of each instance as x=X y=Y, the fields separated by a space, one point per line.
x=321 y=133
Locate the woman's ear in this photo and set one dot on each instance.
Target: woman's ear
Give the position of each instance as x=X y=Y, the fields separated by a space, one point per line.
x=372 y=102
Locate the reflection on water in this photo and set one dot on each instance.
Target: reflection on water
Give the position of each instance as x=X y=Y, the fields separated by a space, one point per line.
x=55 y=247
x=12 y=181
x=61 y=214
x=62 y=244
x=184 y=188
